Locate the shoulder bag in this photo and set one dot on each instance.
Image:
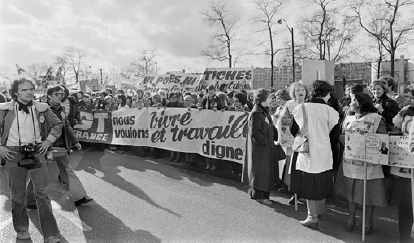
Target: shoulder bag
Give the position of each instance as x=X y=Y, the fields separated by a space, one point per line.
x=301 y=143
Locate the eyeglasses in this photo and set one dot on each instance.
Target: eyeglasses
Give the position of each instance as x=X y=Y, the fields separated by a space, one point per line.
x=58 y=94
x=173 y=97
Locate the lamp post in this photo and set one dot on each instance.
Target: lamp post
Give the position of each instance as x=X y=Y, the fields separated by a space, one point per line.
x=293 y=47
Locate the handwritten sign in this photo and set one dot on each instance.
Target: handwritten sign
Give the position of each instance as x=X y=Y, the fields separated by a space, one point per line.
x=368 y=147
x=399 y=152
x=286 y=138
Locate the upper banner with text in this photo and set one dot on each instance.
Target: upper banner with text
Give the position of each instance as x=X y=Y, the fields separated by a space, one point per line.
x=235 y=78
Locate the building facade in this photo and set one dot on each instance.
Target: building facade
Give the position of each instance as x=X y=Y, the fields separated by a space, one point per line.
x=282 y=77
x=358 y=72
x=353 y=71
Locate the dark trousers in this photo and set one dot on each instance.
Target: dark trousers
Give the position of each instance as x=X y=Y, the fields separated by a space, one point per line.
x=402 y=194
x=257 y=194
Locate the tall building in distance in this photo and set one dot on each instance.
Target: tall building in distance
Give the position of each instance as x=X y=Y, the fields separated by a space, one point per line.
x=353 y=72
x=356 y=72
x=282 y=77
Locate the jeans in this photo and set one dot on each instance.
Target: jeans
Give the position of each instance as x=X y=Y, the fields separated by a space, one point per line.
x=17 y=177
x=69 y=178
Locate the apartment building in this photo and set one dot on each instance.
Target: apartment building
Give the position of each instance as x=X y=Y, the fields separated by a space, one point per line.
x=282 y=77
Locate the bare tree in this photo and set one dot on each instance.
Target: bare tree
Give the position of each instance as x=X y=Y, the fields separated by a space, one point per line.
x=74 y=58
x=327 y=32
x=145 y=65
x=226 y=26
x=86 y=72
x=61 y=61
x=266 y=16
x=384 y=21
x=38 y=69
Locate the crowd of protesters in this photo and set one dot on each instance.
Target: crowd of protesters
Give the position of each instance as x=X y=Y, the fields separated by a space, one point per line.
x=314 y=111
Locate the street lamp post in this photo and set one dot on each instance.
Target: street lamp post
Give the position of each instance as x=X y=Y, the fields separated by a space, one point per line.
x=293 y=47
x=100 y=70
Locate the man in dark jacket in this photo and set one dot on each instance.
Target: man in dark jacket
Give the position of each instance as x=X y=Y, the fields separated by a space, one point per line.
x=71 y=107
x=66 y=140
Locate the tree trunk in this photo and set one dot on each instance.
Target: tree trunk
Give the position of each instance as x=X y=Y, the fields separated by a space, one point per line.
x=272 y=57
x=392 y=54
x=379 y=67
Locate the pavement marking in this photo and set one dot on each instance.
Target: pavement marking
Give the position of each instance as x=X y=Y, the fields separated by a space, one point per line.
x=151 y=161
x=388 y=220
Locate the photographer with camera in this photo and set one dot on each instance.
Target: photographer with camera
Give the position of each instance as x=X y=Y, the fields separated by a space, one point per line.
x=68 y=137
x=28 y=129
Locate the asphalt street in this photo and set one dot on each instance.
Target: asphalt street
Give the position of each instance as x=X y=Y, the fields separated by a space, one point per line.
x=146 y=200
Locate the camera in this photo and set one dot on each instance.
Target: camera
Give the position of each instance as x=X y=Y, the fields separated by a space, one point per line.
x=29 y=161
x=29 y=148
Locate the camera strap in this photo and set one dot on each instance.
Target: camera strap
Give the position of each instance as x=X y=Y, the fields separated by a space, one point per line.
x=18 y=125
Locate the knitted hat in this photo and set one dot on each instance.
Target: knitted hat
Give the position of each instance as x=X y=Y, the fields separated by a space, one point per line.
x=241 y=97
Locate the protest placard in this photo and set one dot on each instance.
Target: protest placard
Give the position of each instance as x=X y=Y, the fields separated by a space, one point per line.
x=368 y=147
x=399 y=152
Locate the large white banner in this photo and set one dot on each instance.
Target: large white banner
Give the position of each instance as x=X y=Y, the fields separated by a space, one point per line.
x=214 y=134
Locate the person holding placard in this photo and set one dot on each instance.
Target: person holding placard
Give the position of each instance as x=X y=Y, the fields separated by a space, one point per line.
x=313 y=180
x=350 y=180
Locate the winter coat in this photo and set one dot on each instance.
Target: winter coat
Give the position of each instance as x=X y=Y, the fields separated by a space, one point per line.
x=67 y=131
x=73 y=113
x=259 y=163
x=391 y=109
x=321 y=120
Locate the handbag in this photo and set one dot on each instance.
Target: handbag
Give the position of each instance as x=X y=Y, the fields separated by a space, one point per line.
x=301 y=143
x=279 y=152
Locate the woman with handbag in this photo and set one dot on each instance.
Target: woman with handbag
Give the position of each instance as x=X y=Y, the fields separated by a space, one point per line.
x=258 y=167
x=312 y=126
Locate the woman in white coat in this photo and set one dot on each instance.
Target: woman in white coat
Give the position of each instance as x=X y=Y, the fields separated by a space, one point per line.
x=313 y=180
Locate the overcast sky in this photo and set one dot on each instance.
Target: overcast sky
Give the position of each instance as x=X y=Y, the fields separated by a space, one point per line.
x=113 y=31
x=116 y=31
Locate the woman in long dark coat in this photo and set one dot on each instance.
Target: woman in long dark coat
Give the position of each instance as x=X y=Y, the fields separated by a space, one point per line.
x=259 y=164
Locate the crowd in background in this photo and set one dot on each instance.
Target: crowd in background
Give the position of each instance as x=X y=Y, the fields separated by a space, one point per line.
x=316 y=108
